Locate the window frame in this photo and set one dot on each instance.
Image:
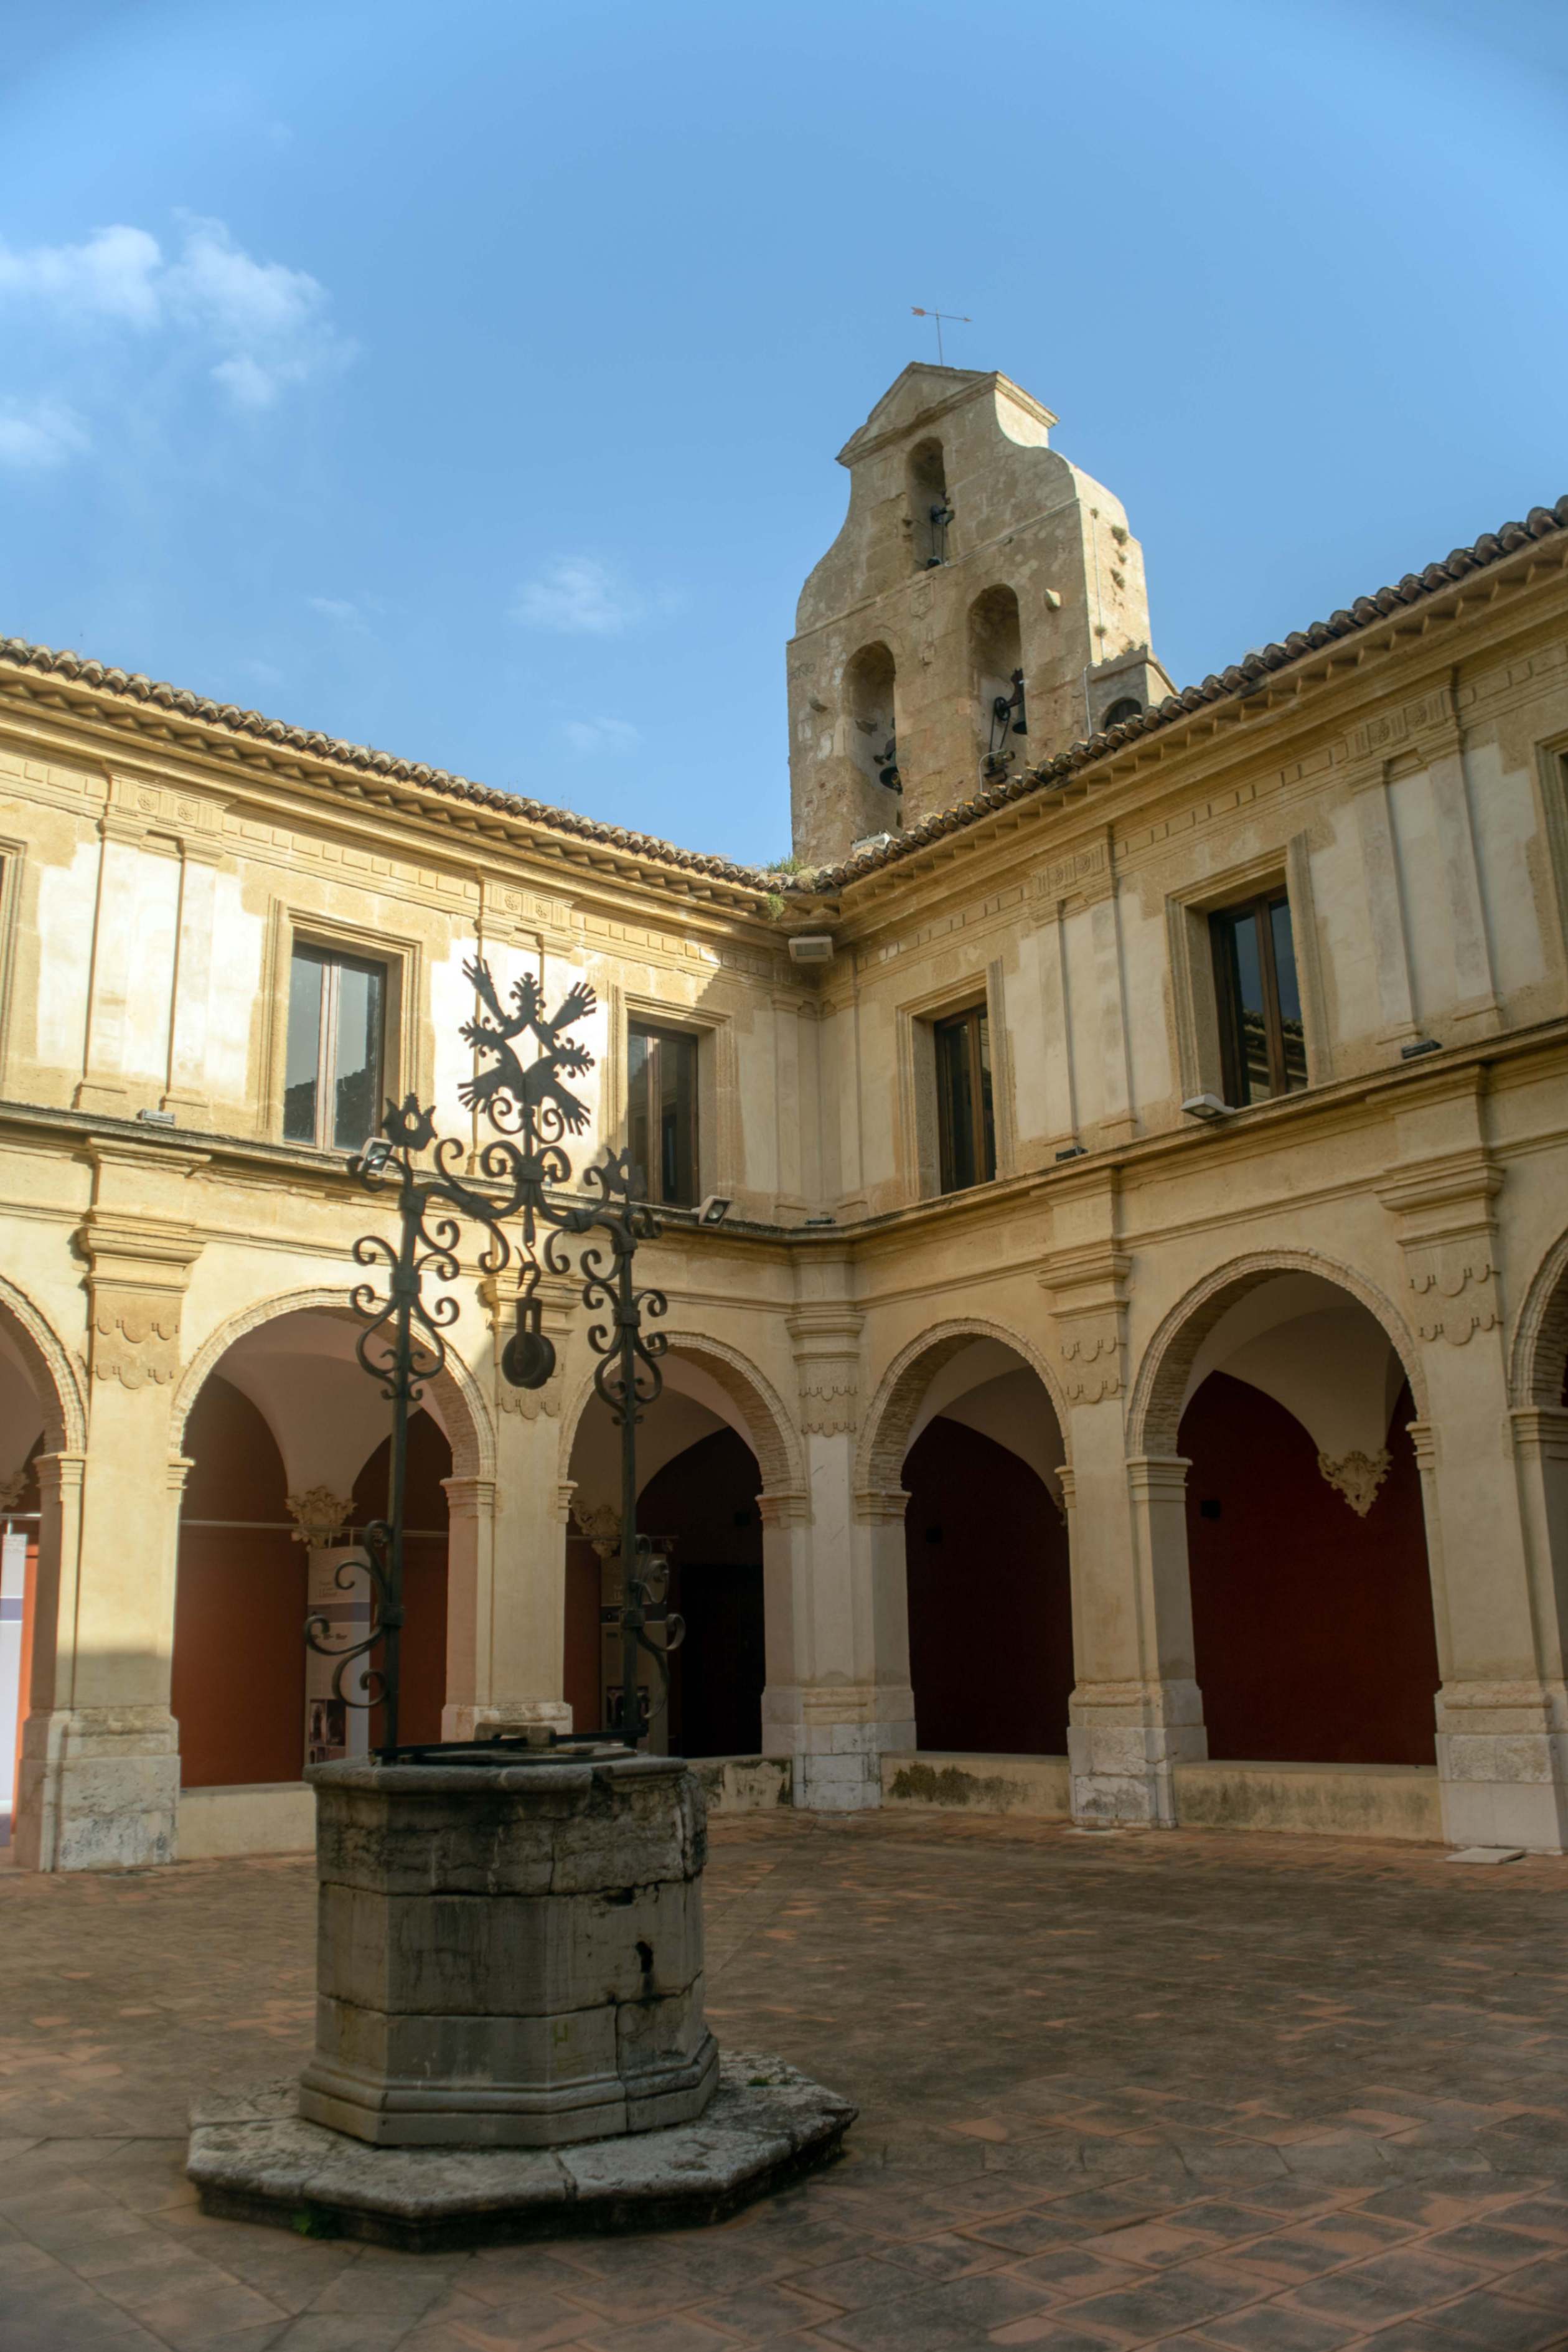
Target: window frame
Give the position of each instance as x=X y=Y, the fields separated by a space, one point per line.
x=1232 y=1047
x=640 y=1025
x=408 y=1060
x=972 y=1018
x=333 y=962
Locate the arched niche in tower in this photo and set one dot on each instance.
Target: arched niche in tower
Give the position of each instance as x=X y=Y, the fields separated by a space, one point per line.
x=870 y=685
x=929 y=512
x=996 y=657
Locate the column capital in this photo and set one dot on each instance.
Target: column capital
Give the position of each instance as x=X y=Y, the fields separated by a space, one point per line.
x=791 y=1508
x=879 y=1506
x=469 y=1499
x=1158 y=1478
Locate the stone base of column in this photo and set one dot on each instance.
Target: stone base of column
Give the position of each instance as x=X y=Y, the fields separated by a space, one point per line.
x=1502 y=1764
x=464 y=1719
x=98 y=1789
x=1122 y=1739
x=835 y=1735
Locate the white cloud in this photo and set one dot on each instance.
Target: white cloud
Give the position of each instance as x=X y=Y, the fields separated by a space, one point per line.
x=113 y=275
x=32 y=439
x=336 y=608
x=263 y=326
x=601 y=738
x=578 y=595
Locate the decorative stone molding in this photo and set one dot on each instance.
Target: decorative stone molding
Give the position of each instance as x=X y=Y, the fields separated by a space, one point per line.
x=785 y=1510
x=1357 y=1476
x=827 y=1359
x=1540 y=1338
x=13 y=1488
x=469 y=1499
x=770 y=1430
x=1088 y=1291
x=881 y=1505
x=601 y=1527
x=57 y=1374
x=322 y=1516
x=135 y=1337
x=1448 y=1236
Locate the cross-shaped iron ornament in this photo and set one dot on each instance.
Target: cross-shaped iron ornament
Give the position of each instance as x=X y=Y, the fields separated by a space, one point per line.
x=403 y=1345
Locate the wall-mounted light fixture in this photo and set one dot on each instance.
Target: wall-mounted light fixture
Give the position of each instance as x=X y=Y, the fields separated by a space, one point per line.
x=1206 y=1106
x=1414 y=1052
x=714 y=1210
x=811 y=946
x=1073 y=1151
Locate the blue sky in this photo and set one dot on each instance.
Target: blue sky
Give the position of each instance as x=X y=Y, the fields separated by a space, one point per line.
x=466 y=379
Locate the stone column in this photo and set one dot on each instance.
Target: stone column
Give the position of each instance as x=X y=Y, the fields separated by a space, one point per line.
x=47 y=1736
x=103 y=1767
x=506 y=1612
x=1502 y=1709
x=1135 y=1711
x=838 y=1694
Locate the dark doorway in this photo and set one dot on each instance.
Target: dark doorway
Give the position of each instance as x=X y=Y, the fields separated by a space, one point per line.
x=423 y=1686
x=991 y=1600
x=703 y=1505
x=1312 y=1628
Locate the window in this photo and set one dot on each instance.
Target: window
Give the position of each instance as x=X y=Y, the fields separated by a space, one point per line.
x=1263 y=1042
x=1129 y=707
x=661 y=1114
x=965 y=1124
x=332 y=1070
x=929 y=513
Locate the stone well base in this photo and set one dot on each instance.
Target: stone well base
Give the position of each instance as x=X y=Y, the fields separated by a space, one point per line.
x=253 y=2158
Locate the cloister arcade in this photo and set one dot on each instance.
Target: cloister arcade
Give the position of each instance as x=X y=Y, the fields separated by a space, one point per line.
x=1279 y=1446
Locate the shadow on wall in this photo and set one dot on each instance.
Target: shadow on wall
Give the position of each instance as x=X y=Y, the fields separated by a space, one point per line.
x=990 y=1603
x=1313 y=1627
x=704 y=1505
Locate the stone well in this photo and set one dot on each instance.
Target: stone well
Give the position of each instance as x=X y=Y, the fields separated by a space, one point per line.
x=510 y=1952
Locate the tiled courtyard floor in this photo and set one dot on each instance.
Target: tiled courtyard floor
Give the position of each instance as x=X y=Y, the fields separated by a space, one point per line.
x=1268 y=2095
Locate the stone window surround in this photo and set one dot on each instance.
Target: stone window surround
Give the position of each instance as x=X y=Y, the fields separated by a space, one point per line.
x=919 y=1147
x=404 y=1065
x=718 y=1167
x=1551 y=763
x=1195 y=1003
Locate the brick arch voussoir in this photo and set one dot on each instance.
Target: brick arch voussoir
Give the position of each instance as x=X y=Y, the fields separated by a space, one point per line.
x=59 y=1382
x=1155 y=1413
x=885 y=1439
x=469 y=1425
x=772 y=1435
x=1540 y=1355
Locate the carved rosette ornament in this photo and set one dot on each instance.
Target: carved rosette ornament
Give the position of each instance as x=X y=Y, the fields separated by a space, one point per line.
x=322 y=1516
x=1356 y=1476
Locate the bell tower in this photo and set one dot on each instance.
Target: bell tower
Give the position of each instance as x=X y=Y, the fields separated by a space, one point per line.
x=982 y=607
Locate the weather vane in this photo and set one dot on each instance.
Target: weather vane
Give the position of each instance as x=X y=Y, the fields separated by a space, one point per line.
x=953 y=318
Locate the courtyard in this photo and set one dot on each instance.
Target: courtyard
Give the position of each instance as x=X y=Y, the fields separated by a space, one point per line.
x=1231 y=2092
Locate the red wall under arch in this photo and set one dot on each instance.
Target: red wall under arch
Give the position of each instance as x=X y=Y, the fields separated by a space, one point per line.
x=1313 y=1628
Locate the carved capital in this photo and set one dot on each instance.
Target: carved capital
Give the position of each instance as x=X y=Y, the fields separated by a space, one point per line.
x=881 y=1505
x=13 y=1488
x=788 y=1509
x=601 y=1527
x=1356 y=1476
x=322 y=1516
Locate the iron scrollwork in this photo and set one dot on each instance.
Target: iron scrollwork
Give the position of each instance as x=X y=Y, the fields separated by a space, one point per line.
x=530 y=1110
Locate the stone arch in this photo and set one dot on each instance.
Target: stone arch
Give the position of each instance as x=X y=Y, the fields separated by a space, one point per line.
x=770 y=1432
x=884 y=1439
x=1540 y=1362
x=1155 y=1413
x=464 y=1408
x=57 y=1375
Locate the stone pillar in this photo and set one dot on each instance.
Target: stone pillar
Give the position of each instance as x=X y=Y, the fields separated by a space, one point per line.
x=1502 y=1709
x=838 y=1695
x=187 y=1087
x=102 y=1767
x=1135 y=1711
x=505 y=1607
x=47 y=1733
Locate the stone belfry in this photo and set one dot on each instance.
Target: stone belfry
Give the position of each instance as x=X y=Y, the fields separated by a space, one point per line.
x=972 y=552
